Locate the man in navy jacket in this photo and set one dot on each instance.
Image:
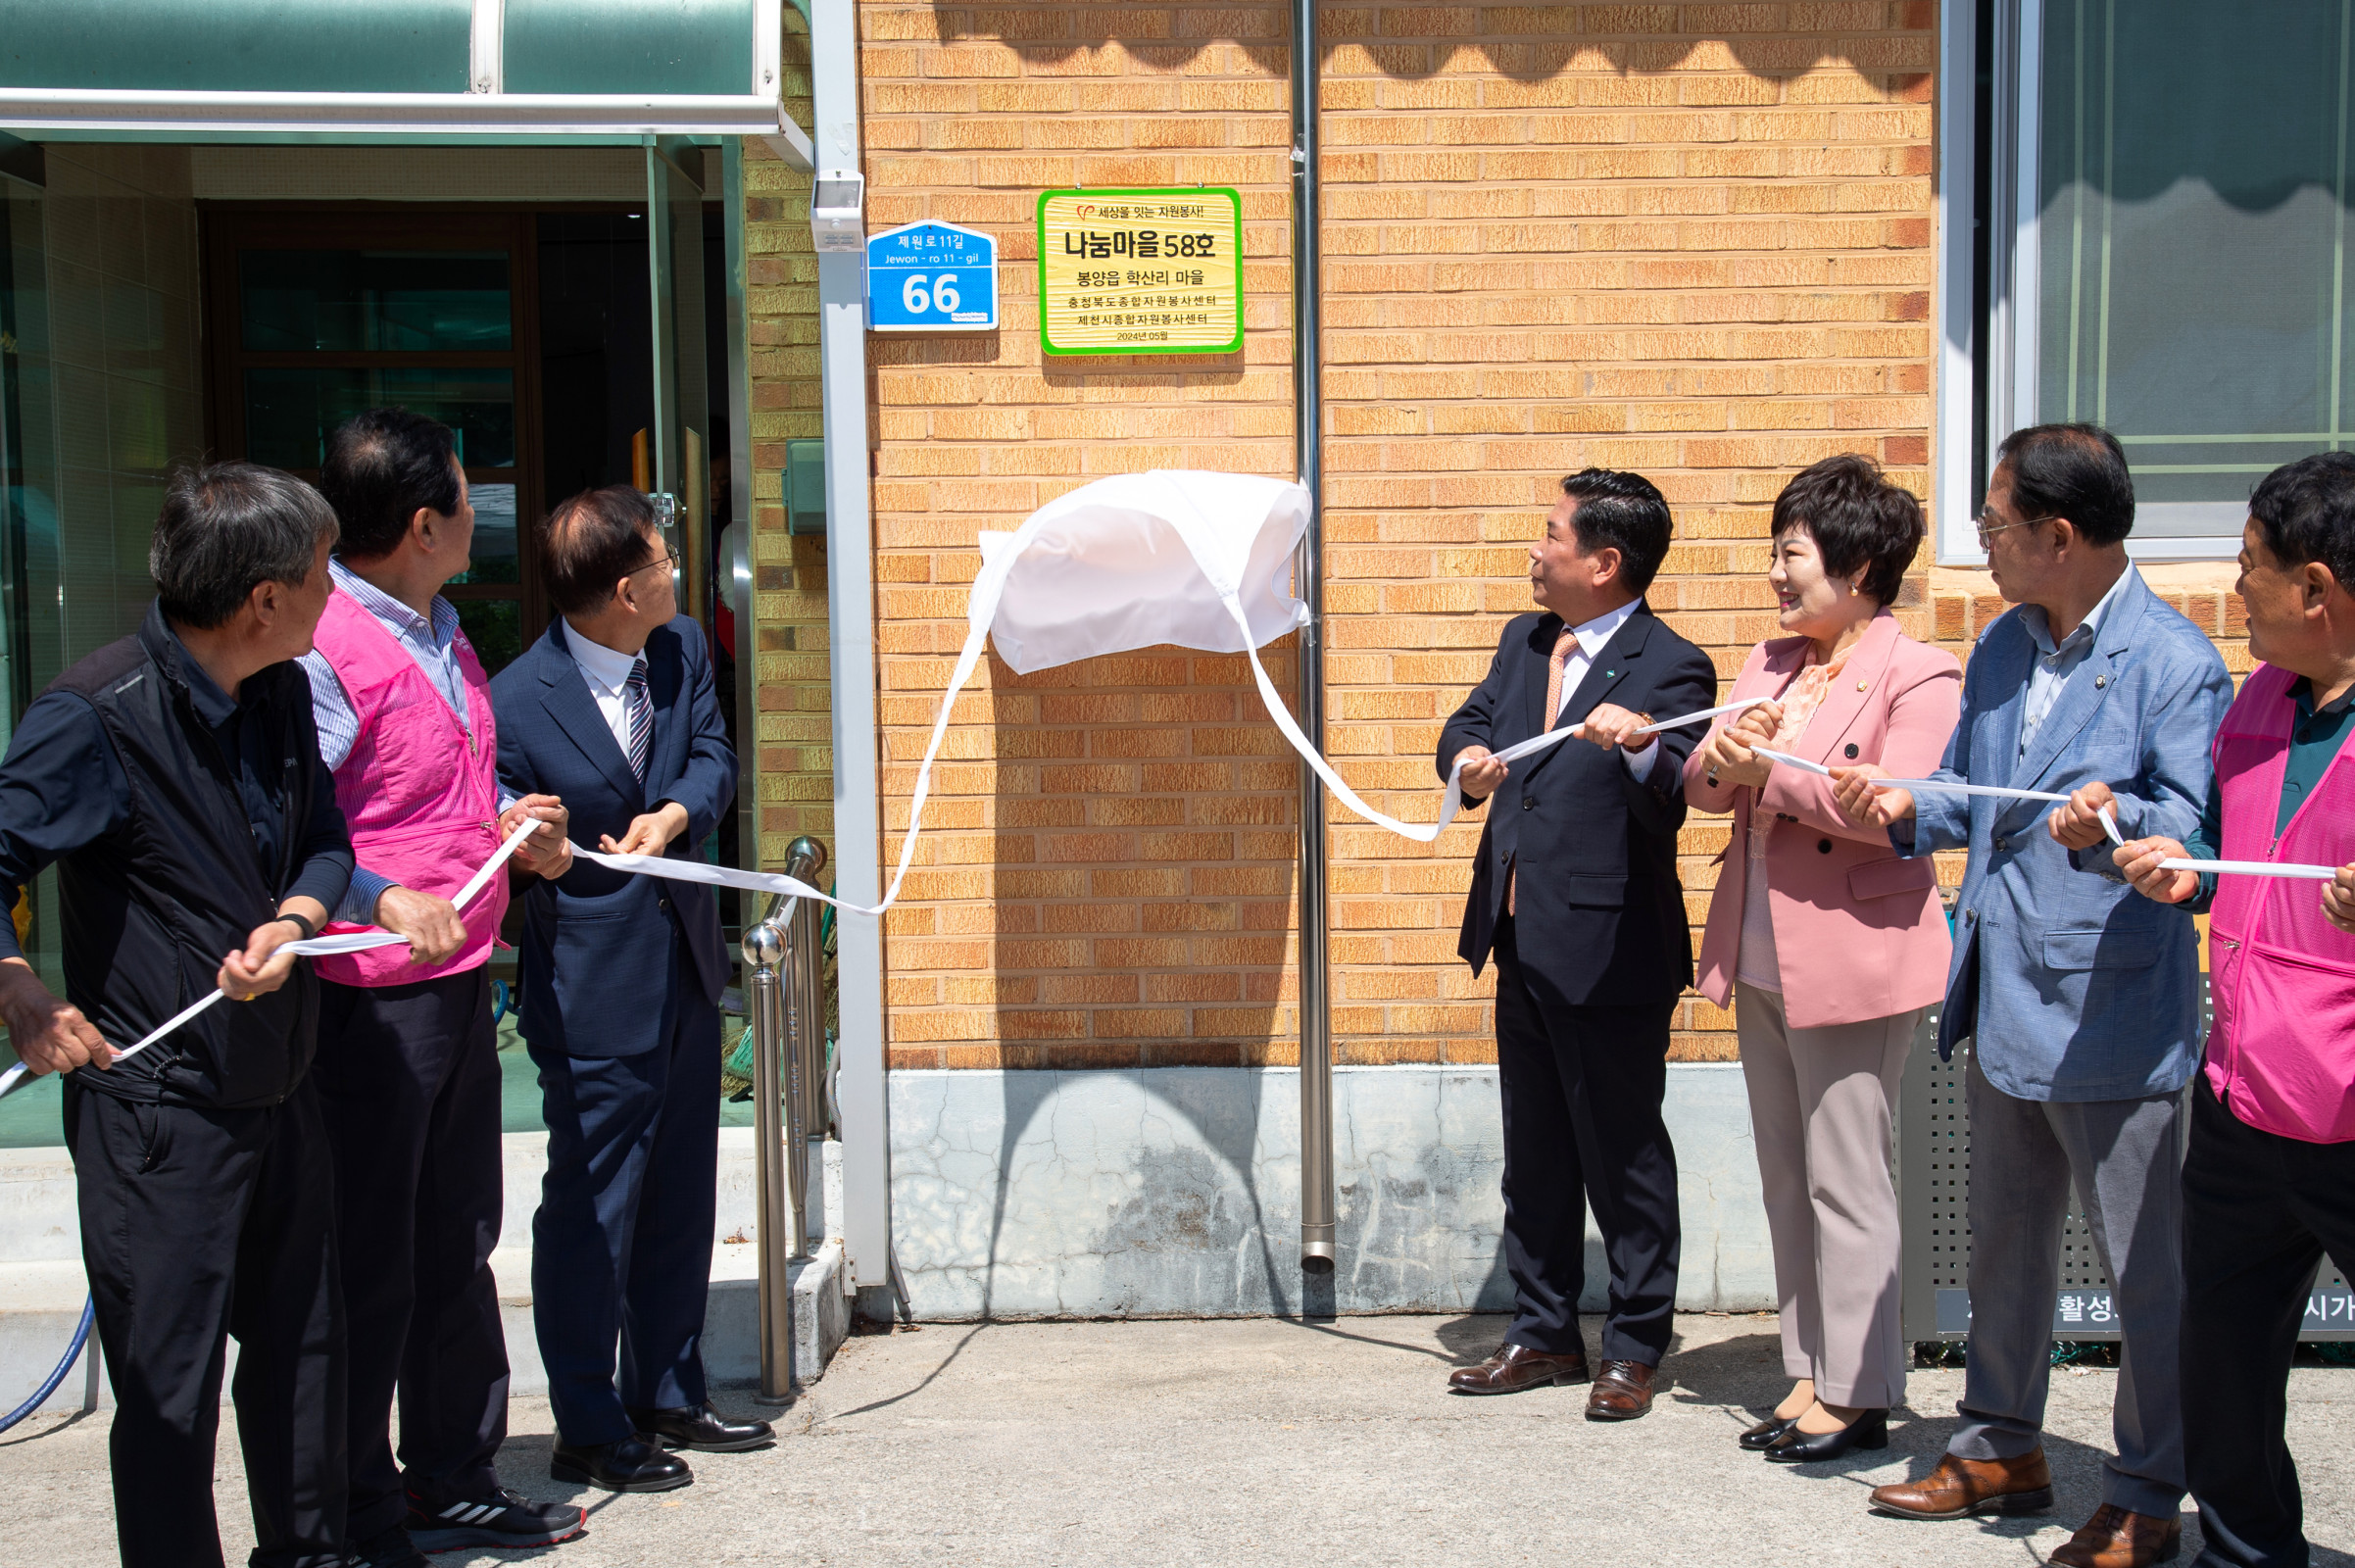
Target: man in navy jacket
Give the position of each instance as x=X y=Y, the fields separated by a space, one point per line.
x=613 y=710
x=1575 y=892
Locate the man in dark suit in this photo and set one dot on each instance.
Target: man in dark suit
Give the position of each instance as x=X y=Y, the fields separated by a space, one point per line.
x=1575 y=892
x=613 y=710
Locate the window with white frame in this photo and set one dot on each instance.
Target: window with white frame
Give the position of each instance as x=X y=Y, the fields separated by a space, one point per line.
x=2174 y=176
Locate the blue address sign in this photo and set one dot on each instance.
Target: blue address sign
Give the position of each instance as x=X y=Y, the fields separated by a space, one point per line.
x=931 y=278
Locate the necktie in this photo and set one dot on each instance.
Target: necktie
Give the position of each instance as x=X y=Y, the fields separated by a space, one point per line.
x=640 y=708
x=1554 y=704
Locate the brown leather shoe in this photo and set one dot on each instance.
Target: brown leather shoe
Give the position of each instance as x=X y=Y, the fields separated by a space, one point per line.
x=1959 y=1488
x=2117 y=1537
x=1515 y=1367
x=1622 y=1392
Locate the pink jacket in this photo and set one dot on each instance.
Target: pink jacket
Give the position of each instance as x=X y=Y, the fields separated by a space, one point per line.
x=2282 y=1054
x=419 y=792
x=1858 y=932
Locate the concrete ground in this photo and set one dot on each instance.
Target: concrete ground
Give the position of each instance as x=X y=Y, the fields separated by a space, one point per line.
x=1255 y=1441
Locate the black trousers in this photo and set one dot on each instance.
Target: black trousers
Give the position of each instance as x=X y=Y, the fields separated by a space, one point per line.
x=409 y=1084
x=197 y=1224
x=1582 y=1088
x=2259 y=1212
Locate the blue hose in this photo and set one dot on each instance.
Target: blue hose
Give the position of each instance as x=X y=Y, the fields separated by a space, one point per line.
x=81 y=1336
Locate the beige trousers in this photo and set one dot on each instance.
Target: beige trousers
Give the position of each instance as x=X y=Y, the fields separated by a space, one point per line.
x=1820 y=1108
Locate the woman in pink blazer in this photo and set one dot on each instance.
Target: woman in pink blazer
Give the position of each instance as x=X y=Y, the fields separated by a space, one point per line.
x=1829 y=943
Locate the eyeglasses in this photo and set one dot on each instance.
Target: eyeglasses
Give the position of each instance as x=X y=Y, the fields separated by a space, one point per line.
x=670 y=560
x=1986 y=533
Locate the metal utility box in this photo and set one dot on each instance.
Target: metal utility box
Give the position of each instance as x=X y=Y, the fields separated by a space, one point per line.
x=1934 y=1190
x=805 y=487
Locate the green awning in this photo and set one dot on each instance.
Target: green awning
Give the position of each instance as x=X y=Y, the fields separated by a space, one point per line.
x=319 y=69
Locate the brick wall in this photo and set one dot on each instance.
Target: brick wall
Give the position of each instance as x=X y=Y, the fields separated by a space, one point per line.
x=1693 y=241
x=788 y=634
x=1106 y=874
x=1690 y=239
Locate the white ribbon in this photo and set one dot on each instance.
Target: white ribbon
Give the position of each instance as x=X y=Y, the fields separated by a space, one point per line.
x=2109 y=823
x=308 y=948
x=2301 y=873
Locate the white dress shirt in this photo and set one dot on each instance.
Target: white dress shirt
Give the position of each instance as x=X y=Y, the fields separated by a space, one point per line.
x=1592 y=637
x=607 y=672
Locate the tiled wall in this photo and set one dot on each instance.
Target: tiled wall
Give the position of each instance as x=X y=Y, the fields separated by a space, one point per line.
x=1690 y=239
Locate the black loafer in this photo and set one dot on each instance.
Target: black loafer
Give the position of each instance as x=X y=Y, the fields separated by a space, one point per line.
x=629 y=1465
x=1868 y=1430
x=1764 y=1433
x=702 y=1429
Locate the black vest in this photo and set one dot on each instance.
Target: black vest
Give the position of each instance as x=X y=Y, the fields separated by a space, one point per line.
x=149 y=909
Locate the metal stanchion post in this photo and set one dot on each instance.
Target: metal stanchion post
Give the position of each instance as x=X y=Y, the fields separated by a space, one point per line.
x=805 y=1037
x=764 y=1015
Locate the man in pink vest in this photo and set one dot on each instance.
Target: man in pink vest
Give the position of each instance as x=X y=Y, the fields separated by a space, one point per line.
x=408 y=1067
x=2268 y=1183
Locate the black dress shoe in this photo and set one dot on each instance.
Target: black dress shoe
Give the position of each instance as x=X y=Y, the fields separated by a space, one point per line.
x=1764 y=1433
x=1868 y=1430
x=702 y=1429
x=629 y=1465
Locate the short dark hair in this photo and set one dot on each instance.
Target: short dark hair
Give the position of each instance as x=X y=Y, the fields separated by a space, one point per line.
x=1624 y=511
x=2306 y=512
x=225 y=530
x=382 y=465
x=2076 y=472
x=1857 y=519
x=591 y=542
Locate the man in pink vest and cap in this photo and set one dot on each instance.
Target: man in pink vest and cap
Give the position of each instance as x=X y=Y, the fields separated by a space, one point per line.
x=2269 y=1182
x=407 y=1067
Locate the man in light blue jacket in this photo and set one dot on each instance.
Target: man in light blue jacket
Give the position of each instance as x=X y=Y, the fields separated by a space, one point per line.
x=2081 y=1000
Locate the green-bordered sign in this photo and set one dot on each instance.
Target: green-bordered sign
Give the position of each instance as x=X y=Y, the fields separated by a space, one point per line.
x=1141 y=272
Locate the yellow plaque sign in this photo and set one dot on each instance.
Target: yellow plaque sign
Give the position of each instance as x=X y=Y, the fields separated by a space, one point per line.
x=1141 y=272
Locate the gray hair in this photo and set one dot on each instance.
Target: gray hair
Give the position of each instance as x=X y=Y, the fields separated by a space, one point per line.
x=225 y=530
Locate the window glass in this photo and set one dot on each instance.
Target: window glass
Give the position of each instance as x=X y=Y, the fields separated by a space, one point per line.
x=374 y=301
x=2193 y=243
x=288 y=413
x=494 y=553
x=494 y=626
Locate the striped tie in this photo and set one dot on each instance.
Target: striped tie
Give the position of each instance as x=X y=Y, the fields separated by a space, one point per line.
x=1562 y=647
x=641 y=719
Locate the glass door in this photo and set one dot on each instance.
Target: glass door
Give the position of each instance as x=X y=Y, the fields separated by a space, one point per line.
x=680 y=440
x=316 y=315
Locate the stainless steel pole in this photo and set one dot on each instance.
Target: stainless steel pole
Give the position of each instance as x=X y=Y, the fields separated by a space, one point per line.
x=763 y=1013
x=806 y=1040
x=1317 y=1206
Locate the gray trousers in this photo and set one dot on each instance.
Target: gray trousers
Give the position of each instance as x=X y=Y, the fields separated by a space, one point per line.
x=2125 y=1159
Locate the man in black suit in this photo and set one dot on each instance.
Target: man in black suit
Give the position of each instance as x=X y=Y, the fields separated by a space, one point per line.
x=1575 y=890
x=613 y=706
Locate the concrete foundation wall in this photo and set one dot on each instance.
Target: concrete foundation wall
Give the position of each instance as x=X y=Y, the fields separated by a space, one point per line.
x=1175 y=1191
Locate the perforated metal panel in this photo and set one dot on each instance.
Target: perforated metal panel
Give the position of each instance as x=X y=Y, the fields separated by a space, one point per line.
x=1933 y=1191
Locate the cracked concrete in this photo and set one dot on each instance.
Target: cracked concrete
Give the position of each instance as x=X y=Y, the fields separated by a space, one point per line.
x=1229 y=1442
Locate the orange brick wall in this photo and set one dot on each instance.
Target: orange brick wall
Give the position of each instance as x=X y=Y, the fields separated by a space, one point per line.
x=1689 y=239
x=788 y=634
x=1107 y=874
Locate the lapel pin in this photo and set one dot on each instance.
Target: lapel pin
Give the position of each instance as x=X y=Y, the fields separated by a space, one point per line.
x=2099 y=681
x=1861 y=685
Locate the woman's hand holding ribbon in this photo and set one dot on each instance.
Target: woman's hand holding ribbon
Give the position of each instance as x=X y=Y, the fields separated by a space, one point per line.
x=1727 y=754
x=1863 y=805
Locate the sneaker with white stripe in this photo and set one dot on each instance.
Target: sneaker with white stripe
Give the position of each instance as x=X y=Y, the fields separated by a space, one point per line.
x=499 y=1519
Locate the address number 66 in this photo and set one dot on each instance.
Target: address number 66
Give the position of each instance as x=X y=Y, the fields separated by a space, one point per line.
x=943 y=296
